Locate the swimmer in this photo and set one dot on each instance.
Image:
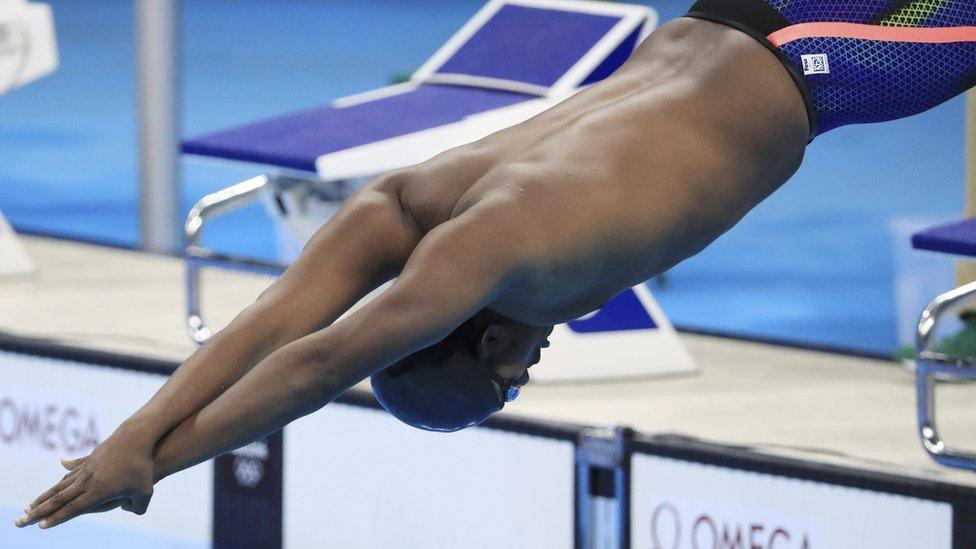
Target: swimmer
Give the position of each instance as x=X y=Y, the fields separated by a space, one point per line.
x=493 y=243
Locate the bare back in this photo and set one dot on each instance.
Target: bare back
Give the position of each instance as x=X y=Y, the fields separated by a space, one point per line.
x=630 y=176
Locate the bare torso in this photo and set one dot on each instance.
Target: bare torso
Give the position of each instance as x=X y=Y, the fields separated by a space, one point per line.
x=676 y=147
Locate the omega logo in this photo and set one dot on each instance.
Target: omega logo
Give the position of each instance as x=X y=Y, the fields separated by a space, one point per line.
x=53 y=427
x=669 y=530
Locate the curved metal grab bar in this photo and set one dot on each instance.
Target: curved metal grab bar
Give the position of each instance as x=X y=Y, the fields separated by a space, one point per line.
x=930 y=365
x=198 y=257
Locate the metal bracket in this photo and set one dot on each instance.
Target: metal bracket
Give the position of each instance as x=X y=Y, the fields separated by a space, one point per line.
x=603 y=493
x=930 y=365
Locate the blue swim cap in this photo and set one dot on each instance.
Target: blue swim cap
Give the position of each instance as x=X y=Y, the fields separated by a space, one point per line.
x=447 y=386
x=432 y=395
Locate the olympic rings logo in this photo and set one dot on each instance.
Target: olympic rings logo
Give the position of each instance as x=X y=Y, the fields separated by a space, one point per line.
x=248 y=465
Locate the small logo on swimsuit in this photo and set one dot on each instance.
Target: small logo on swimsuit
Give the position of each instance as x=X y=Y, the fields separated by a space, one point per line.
x=815 y=64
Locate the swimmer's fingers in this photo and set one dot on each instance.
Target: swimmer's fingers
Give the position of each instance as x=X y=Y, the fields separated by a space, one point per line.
x=88 y=503
x=64 y=483
x=84 y=503
x=98 y=497
x=63 y=493
x=132 y=505
x=72 y=464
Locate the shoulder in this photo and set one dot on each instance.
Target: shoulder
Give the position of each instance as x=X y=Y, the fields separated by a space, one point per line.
x=487 y=236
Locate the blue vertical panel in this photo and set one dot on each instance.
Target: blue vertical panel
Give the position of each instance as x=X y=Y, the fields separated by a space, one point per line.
x=248 y=495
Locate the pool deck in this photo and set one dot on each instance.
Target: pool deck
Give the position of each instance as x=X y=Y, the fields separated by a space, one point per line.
x=815 y=406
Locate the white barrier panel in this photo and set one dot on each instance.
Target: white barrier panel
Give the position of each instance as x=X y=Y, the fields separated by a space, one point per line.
x=51 y=408
x=13 y=257
x=682 y=505
x=357 y=478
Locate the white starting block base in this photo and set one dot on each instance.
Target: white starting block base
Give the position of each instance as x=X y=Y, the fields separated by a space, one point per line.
x=13 y=258
x=629 y=338
x=28 y=48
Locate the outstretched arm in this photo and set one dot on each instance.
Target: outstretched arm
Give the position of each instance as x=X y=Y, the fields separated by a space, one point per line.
x=450 y=276
x=364 y=245
x=448 y=279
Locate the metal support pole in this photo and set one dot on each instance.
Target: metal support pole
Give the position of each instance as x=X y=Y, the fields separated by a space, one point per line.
x=158 y=73
x=603 y=489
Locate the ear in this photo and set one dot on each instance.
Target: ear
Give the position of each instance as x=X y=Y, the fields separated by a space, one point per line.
x=495 y=341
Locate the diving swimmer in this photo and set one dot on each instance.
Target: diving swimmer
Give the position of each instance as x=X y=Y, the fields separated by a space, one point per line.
x=492 y=243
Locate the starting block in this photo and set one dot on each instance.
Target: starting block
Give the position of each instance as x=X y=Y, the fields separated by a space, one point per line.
x=28 y=51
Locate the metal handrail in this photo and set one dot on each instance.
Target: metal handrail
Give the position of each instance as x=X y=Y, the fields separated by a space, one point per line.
x=930 y=365
x=198 y=257
x=224 y=201
x=219 y=202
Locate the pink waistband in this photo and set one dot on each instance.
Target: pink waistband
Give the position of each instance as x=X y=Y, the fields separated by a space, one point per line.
x=932 y=35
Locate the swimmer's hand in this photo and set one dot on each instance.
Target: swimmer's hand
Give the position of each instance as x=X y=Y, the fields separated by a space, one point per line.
x=118 y=473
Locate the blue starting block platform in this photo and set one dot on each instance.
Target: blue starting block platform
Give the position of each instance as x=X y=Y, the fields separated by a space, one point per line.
x=957 y=238
x=512 y=60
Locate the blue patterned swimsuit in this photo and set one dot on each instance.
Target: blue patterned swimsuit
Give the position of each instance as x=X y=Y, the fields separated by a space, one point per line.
x=861 y=61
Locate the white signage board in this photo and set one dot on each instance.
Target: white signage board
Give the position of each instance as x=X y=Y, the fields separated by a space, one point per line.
x=358 y=478
x=684 y=505
x=51 y=408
